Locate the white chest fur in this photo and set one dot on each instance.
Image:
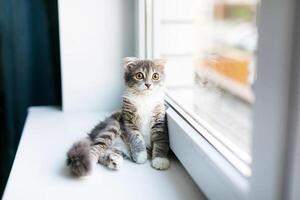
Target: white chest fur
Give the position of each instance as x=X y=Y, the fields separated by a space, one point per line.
x=145 y=105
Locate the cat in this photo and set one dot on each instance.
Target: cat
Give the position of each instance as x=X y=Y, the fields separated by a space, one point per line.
x=137 y=132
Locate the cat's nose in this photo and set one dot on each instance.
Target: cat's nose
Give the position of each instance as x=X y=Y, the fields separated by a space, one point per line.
x=148 y=85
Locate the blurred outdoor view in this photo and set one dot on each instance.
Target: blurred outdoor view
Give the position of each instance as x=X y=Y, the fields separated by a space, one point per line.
x=210 y=46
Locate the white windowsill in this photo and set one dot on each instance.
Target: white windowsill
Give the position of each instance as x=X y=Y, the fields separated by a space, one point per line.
x=39 y=168
x=217 y=178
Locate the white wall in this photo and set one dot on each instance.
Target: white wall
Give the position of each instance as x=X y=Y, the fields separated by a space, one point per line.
x=95 y=35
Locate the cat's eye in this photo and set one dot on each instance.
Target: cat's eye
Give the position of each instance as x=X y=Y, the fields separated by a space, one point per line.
x=139 y=75
x=155 y=76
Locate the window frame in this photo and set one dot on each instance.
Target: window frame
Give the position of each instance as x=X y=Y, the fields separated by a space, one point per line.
x=272 y=142
x=275 y=122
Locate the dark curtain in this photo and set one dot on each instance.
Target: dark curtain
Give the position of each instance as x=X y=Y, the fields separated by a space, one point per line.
x=29 y=68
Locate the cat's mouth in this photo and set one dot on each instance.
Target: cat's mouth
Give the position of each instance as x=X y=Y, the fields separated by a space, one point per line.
x=146 y=90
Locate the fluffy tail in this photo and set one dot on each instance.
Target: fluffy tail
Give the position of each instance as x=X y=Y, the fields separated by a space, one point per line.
x=79 y=158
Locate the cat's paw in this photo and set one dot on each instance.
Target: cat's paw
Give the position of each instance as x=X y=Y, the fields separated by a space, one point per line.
x=140 y=157
x=115 y=161
x=160 y=163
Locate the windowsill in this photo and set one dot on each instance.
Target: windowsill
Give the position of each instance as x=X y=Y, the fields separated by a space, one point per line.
x=207 y=166
x=39 y=170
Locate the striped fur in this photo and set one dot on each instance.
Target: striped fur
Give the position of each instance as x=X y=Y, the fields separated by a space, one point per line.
x=137 y=132
x=159 y=136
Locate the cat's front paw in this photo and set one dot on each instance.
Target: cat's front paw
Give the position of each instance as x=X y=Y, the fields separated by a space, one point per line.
x=115 y=161
x=160 y=163
x=140 y=157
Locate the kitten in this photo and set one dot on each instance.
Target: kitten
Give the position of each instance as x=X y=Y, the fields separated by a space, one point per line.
x=136 y=132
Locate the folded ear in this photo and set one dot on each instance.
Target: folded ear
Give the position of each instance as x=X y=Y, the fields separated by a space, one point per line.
x=129 y=62
x=160 y=62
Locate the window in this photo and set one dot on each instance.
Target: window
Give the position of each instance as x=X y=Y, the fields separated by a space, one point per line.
x=201 y=38
x=210 y=46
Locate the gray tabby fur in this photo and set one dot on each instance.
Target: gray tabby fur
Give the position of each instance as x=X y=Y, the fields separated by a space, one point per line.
x=124 y=134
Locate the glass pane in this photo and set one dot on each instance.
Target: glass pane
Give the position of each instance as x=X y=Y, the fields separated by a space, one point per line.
x=210 y=47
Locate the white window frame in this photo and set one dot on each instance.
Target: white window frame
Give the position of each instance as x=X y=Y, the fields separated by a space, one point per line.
x=274 y=155
x=276 y=104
